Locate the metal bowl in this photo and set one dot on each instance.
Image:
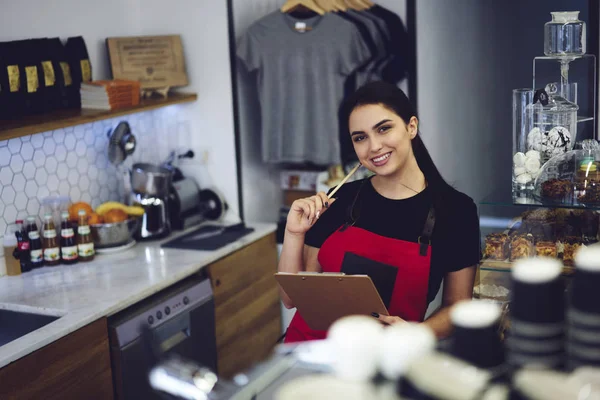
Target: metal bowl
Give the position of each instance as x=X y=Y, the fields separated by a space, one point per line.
x=115 y=234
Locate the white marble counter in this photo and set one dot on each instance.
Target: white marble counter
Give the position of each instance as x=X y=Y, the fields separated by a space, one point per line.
x=84 y=292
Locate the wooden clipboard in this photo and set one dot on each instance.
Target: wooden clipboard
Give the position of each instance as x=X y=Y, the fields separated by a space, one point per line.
x=323 y=298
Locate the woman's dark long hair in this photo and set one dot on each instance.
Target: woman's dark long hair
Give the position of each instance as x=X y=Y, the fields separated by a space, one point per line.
x=394 y=99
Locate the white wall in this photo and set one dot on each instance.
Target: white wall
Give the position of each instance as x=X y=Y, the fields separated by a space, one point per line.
x=456 y=89
x=207 y=124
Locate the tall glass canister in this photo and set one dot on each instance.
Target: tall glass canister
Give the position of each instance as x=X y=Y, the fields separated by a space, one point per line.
x=522 y=178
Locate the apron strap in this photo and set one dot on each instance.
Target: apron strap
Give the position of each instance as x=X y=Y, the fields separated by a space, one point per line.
x=425 y=238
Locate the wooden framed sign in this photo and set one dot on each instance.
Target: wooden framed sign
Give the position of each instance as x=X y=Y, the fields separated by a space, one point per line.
x=154 y=61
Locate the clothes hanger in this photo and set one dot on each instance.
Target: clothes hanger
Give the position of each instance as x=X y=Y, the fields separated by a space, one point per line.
x=357 y=5
x=329 y=5
x=291 y=5
x=341 y=5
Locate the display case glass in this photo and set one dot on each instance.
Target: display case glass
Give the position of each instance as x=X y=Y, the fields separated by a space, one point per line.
x=512 y=230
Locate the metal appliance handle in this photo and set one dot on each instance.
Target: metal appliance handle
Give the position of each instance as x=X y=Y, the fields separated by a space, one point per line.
x=173 y=332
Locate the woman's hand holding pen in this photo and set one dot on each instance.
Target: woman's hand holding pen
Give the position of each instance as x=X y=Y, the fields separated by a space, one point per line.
x=305 y=212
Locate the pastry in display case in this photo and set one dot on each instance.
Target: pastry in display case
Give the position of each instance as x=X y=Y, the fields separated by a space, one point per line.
x=571 y=179
x=548 y=232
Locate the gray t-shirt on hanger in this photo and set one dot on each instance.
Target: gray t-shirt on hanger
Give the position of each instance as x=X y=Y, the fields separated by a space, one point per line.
x=301 y=83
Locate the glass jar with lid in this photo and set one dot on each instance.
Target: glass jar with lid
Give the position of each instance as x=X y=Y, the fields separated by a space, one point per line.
x=565 y=35
x=551 y=123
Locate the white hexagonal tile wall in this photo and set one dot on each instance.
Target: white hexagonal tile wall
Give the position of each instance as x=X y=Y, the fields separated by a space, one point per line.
x=37 y=141
x=33 y=206
x=93 y=172
x=29 y=170
x=73 y=177
x=10 y=213
x=82 y=165
x=52 y=183
x=8 y=195
x=60 y=153
x=21 y=201
x=16 y=163
x=51 y=165
x=94 y=188
x=70 y=142
x=73 y=162
x=14 y=145
x=41 y=176
x=39 y=158
x=89 y=138
x=4 y=156
x=27 y=151
x=63 y=188
x=79 y=132
x=87 y=198
x=62 y=171
x=80 y=148
x=18 y=182
x=75 y=193
x=49 y=146
x=31 y=189
x=104 y=194
x=84 y=183
x=58 y=136
x=6 y=176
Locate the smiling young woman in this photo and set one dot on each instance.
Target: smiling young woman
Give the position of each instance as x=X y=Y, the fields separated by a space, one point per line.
x=405 y=226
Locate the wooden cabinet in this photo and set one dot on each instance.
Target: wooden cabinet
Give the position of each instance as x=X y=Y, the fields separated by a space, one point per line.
x=247 y=310
x=76 y=366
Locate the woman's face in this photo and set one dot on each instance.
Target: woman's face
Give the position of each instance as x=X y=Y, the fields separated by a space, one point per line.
x=382 y=140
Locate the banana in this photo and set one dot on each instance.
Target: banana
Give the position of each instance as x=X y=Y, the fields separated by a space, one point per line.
x=111 y=205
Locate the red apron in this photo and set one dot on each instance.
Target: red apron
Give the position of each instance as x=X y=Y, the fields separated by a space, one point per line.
x=408 y=262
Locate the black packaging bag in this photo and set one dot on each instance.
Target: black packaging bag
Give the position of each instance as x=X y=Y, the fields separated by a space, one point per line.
x=69 y=93
x=11 y=69
x=50 y=79
x=4 y=92
x=32 y=78
x=79 y=60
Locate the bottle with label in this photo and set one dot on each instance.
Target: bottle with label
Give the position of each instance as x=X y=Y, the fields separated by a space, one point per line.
x=22 y=250
x=85 y=243
x=35 y=243
x=68 y=243
x=13 y=267
x=50 y=242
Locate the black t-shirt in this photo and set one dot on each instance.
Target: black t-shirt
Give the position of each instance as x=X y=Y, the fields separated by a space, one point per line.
x=455 y=241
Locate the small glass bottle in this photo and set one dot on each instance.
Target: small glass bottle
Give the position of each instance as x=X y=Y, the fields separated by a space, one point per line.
x=68 y=242
x=22 y=251
x=85 y=243
x=50 y=242
x=35 y=244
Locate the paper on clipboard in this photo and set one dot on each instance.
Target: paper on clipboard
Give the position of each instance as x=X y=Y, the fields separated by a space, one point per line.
x=323 y=298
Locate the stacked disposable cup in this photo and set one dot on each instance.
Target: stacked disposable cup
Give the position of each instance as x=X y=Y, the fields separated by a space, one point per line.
x=537 y=334
x=583 y=315
x=475 y=338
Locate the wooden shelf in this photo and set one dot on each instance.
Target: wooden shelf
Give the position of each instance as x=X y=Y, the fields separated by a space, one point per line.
x=64 y=118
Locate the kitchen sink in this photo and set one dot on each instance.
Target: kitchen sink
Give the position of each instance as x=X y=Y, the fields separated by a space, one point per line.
x=14 y=324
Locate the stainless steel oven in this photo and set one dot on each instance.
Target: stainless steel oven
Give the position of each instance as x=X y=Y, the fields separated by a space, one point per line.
x=181 y=319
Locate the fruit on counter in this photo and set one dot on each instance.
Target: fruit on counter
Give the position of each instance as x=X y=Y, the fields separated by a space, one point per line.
x=115 y=215
x=95 y=219
x=75 y=207
x=135 y=211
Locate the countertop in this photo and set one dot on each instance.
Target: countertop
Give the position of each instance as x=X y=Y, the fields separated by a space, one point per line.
x=85 y=292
